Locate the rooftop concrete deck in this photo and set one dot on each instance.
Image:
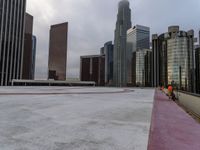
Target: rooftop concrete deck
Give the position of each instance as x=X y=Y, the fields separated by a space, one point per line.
x=59 y=118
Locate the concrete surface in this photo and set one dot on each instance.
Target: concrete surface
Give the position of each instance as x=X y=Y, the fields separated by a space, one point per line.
x=60 y=118
x=172 y=128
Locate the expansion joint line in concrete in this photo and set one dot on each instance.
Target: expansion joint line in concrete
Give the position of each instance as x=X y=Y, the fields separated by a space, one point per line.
x=68 y=93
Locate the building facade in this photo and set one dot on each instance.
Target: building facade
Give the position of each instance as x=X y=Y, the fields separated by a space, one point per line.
x=58 y=51
x=12 y=14
x=34 y=46
x=156 y=60
x=138 y=38
x=120 y=51
x=197 y=59
x=173 y=59
x=199 y=37
x=148 y=68
x=28 y=54
x=141 y=68
x=92 y=68
x=102 y=51
x=108 y=48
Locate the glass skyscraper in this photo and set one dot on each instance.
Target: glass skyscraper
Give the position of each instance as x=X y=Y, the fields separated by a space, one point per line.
x=197 y=58
x=120 y=51
x=173 y=59
x=108 y=50
x=148 y=68
x=34 y=44
x=12 y=16
x=28 y=43
x=141 y=68
x=138 y=38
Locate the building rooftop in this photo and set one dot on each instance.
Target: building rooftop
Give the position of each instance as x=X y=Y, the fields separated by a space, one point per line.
x=138 y=27
x=51 y=118
x=91 y=56
x=59 y=24
x=55 y=118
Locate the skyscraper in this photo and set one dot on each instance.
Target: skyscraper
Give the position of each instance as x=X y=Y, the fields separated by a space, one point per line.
x=173 y=58
x=197 y=58
x=102 y=51
x=148 y=68
x=58 y=51
x=34 y=44
x=92 y=68
x=138 y=38
x=27 y=57
x=141 y=68
x=120 y=51
x=156 y=43
x=108 y=49
x=199 y=37
x=12 y=14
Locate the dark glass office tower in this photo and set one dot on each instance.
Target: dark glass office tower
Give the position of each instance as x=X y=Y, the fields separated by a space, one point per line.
x=197 y=58
x=199 y=38
x=34 y=45
x=155 y=60
x=27 y=62
x=148 y=68
x=12 y=14
x=108 y=48
x=58 y=51
x=159 y=60
x=120 y=52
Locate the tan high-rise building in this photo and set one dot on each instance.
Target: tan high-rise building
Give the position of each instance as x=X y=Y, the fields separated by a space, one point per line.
x=58 y=51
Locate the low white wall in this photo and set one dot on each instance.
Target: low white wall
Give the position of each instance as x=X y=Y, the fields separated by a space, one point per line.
x=191 y=102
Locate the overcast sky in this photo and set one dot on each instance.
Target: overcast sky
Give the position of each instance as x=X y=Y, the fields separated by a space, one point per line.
x=92 y=23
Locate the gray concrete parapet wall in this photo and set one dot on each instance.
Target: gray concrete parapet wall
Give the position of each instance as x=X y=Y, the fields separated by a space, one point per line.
x=189 y=101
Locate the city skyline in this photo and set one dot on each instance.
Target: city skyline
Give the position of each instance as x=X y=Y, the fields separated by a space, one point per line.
x=101 y=24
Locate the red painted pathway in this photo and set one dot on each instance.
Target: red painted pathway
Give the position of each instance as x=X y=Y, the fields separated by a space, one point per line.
x=171 y=127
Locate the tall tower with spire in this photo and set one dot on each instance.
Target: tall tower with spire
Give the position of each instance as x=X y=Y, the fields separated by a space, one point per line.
x=120 y=51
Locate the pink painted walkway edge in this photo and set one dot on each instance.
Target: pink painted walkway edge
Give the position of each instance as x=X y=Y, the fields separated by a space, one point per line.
x=171 y=127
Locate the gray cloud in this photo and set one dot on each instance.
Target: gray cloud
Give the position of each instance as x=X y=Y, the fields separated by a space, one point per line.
x=92 y=23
